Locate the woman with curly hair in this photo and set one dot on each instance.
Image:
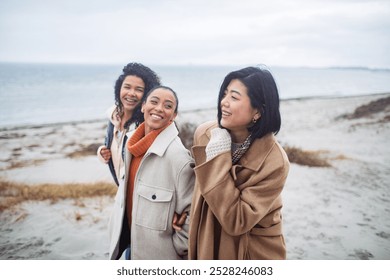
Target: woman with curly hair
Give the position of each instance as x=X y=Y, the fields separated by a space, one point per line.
x=125 y=115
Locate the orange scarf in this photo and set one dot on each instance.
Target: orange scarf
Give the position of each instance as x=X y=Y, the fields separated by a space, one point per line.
x=138 y=145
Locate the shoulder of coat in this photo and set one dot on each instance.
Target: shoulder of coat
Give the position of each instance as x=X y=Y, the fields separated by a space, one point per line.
x=204 y=128
x=178 y=149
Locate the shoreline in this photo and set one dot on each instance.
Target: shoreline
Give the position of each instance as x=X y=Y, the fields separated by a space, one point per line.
x=187 y=111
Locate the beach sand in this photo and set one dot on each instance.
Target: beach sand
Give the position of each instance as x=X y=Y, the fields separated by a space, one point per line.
x=339 y=212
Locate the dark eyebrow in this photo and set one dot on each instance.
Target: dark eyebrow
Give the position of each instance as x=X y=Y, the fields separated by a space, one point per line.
x=170 y=101
x=233 y=91
x=167 y=100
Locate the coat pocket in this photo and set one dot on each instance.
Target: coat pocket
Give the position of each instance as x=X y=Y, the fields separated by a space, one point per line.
x=275 y=230
x=153 y=207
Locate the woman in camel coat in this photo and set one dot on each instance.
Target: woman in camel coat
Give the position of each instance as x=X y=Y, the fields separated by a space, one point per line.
x=240 y=173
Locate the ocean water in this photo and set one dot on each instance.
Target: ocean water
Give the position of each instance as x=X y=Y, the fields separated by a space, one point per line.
x=36 y=94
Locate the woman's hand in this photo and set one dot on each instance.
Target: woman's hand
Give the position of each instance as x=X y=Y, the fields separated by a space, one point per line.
x=220 y=142
x=105 y=153
x=178 y=221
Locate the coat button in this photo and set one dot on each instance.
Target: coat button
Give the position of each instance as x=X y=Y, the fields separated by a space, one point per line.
x=154 y=197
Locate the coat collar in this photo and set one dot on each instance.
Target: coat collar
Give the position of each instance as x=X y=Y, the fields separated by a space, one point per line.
x=159 y=145
x=258 y=152
x=163 y=140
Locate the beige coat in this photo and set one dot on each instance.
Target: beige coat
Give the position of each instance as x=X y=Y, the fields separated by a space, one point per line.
x=163 y=185
x=236 y=210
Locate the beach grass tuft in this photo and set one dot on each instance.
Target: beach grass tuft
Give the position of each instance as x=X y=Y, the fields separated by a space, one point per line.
x=305 y=157
x=12 y=193
x=85 y=150
x=366 y=110
x=88 y=150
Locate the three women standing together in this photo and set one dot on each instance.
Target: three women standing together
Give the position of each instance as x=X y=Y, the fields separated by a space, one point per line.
x=229 y=201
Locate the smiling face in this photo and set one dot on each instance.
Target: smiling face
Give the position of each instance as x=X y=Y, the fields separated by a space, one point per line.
x=131 y=92
x=159 y=109
x=237 y=111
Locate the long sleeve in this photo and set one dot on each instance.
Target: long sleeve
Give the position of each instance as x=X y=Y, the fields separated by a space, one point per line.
x=184 y=190
x=239 y=209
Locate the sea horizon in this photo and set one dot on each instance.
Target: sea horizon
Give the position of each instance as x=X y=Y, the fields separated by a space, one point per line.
x=49 y=93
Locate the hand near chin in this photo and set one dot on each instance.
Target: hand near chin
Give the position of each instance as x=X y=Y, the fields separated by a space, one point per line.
x=220 y=142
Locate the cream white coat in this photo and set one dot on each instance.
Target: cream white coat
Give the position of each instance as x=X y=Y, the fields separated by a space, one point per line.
x=163 y=185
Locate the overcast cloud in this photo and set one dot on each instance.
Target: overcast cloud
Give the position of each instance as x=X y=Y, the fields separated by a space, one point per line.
x=275 y=32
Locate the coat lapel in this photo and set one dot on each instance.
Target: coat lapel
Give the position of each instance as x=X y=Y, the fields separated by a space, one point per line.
x=254 y=158
x=163 y=140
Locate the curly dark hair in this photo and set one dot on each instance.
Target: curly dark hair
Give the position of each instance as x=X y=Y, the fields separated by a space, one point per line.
x=149 y=77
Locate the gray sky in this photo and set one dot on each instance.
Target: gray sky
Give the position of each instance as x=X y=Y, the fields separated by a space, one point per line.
x=275 y=32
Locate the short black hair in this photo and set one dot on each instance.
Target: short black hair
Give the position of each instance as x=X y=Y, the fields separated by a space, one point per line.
x=263 y=94
x=150 y=79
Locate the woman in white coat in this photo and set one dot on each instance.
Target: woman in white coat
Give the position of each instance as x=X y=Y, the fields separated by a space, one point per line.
x=157 y=186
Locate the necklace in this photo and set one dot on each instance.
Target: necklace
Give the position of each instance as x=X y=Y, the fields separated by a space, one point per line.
x=240 y=149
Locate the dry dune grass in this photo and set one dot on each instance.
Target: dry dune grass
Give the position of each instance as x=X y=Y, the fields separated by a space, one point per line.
x=366 y=110
x=307 y=158
x=13 y=193
x=88 y=150
x=24 y=163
